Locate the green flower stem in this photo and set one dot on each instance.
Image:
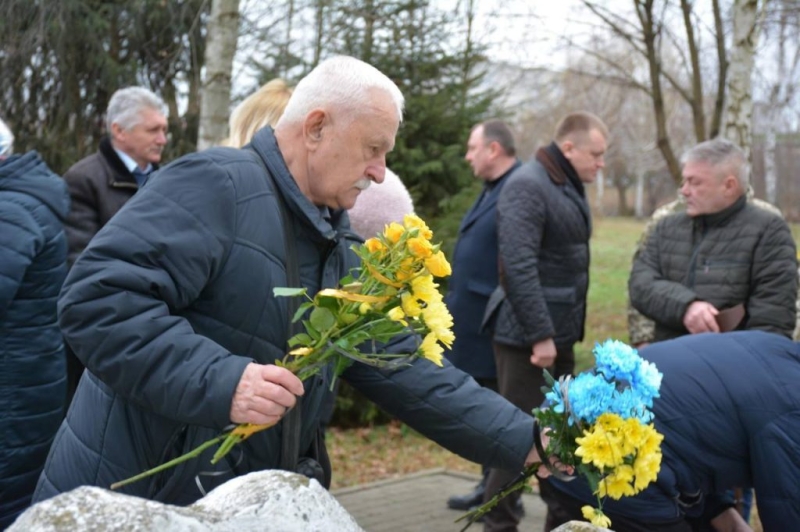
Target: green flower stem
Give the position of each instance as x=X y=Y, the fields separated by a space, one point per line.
x=515 y=485
x=172 y=463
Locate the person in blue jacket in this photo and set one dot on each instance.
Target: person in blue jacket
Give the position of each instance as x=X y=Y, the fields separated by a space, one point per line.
x=33 y=264
x=171 y=310
x=730 y=415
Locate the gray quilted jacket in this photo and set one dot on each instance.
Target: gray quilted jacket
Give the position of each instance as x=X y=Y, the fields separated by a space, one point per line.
x=743 y=254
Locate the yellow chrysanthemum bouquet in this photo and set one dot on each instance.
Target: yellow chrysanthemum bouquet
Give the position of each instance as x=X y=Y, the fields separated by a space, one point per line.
x=600 y=424
x=392 y=293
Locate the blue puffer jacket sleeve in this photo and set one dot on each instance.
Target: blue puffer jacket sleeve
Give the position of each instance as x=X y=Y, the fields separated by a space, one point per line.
x=123 y=303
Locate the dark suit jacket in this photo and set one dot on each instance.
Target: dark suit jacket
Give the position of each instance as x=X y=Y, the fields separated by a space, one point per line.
x=473 y=280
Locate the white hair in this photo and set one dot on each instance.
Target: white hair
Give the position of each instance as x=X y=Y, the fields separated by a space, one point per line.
x=343 y=82
x=126 y=106
x=380 y=205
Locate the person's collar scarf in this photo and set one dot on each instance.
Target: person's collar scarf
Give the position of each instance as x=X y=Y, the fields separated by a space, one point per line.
x=558 y=167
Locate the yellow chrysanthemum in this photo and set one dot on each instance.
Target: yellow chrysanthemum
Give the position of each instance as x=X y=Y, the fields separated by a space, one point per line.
x=393 y=232
x=651 y=440
x=410 y=305
x=618 y=484
x=438 y=319
x=424 y=288
x=419 y=247
x=406 y=269
x=646 y=468
x=610 y=422
x=397 y=314
x=431 y=349
x=374 y=245
x=414 y=221
x=596 y=516
x=364 y=308
x=598 y=448
x=438 y=266
x=301 y=351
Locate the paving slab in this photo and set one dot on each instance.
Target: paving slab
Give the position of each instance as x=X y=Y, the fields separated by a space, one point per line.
x=417 y=503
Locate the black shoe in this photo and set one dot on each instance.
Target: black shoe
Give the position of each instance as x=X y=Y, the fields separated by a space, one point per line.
x=468 y=501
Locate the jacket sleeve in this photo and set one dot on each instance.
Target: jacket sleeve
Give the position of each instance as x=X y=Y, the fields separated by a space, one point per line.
x=771 y=302
x=449 y=407
x=653 y=295
x=20 y=241
x=121 y=307
x=521 y=215
x=83 y=220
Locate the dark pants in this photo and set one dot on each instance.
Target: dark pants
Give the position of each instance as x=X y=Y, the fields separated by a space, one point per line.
x=520 y=382
x=562 y=508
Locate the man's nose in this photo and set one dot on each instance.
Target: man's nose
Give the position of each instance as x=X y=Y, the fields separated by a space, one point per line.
x=162 y=138
x=378 y=173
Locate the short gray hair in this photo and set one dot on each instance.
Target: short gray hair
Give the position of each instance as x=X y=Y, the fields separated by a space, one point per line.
x=126 y=106
x=341 y=81
x=722 y=155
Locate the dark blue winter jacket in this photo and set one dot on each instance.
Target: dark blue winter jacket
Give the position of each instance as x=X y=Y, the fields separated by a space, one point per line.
x=173 y=298
x=33 y=253
x=730 y=415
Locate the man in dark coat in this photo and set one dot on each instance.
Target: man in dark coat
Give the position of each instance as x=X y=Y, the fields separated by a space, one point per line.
x=33 y=254
x=492 y=155
x=171 y=308
x=101 y=183
x=539 y=309
x=730 y=415
x=721 y=252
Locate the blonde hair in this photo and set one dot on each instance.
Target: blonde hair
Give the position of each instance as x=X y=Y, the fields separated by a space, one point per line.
x=262 y=108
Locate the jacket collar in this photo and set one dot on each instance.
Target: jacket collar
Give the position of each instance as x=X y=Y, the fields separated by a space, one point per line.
x=120 y=169
x=719 y=218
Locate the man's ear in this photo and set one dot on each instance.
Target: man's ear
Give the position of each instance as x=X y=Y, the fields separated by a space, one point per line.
x=116 y=131
x=313 y=127
x=566 y=148
x=731 y=184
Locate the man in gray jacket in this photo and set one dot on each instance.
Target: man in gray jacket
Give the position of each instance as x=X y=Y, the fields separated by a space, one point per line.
x=171 y=308
x=722 y=252
x=539 y=309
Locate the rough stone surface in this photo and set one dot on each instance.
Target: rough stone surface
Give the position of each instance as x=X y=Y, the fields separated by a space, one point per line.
x=261 y=501
x=579 y=526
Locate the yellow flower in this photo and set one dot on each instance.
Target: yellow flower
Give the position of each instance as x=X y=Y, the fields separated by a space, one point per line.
x=646 y=468
x=410 y=305
x=301 y=351
x=652 y=440
x=419 y=247
x=364 y=308
x=617 y=484
x=412 y=221
x=424 y=288
x=438 y=319
x=437 y=264
x=431 y=349
x=397 y=314
x=596 y=516
x=597 y=448
x=406 y=269
x=374 y=245
x=393 y=232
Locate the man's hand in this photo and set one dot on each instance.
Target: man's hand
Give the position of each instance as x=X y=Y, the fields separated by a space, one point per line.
x=700 y=317
x=264 y=394
x=543 y=471
x=544 y=353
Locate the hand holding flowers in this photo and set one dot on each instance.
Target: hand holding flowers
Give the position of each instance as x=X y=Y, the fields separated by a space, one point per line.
x=599 y=425
x=392 y=293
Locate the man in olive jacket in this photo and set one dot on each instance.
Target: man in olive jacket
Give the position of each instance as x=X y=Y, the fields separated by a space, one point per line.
x=171 y=308
x=539 y=309
x=723 y=251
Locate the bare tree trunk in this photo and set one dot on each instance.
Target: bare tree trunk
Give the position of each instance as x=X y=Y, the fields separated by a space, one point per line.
x=698 y=114
x=722 y=77
x=223 y=33
x=739 y=102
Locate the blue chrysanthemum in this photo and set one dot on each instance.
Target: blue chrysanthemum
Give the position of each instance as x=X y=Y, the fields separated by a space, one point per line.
x=590 y=395
x=616 y=360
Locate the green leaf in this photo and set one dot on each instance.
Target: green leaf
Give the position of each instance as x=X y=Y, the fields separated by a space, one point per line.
x=284 y=291
x=311 y=330
x=322 y=319
x=301 y=339
x=301 y=311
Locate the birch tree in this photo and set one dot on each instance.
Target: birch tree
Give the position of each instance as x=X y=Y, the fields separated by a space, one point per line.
x=222 y=35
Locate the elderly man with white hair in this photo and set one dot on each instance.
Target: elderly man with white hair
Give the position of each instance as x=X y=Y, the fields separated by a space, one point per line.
x=171 y=308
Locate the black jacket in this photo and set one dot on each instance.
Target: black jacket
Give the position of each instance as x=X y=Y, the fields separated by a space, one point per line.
x=543 y=231
x=99 y=185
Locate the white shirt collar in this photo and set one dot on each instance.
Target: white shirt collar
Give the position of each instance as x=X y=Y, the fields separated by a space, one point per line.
x=130 y=164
